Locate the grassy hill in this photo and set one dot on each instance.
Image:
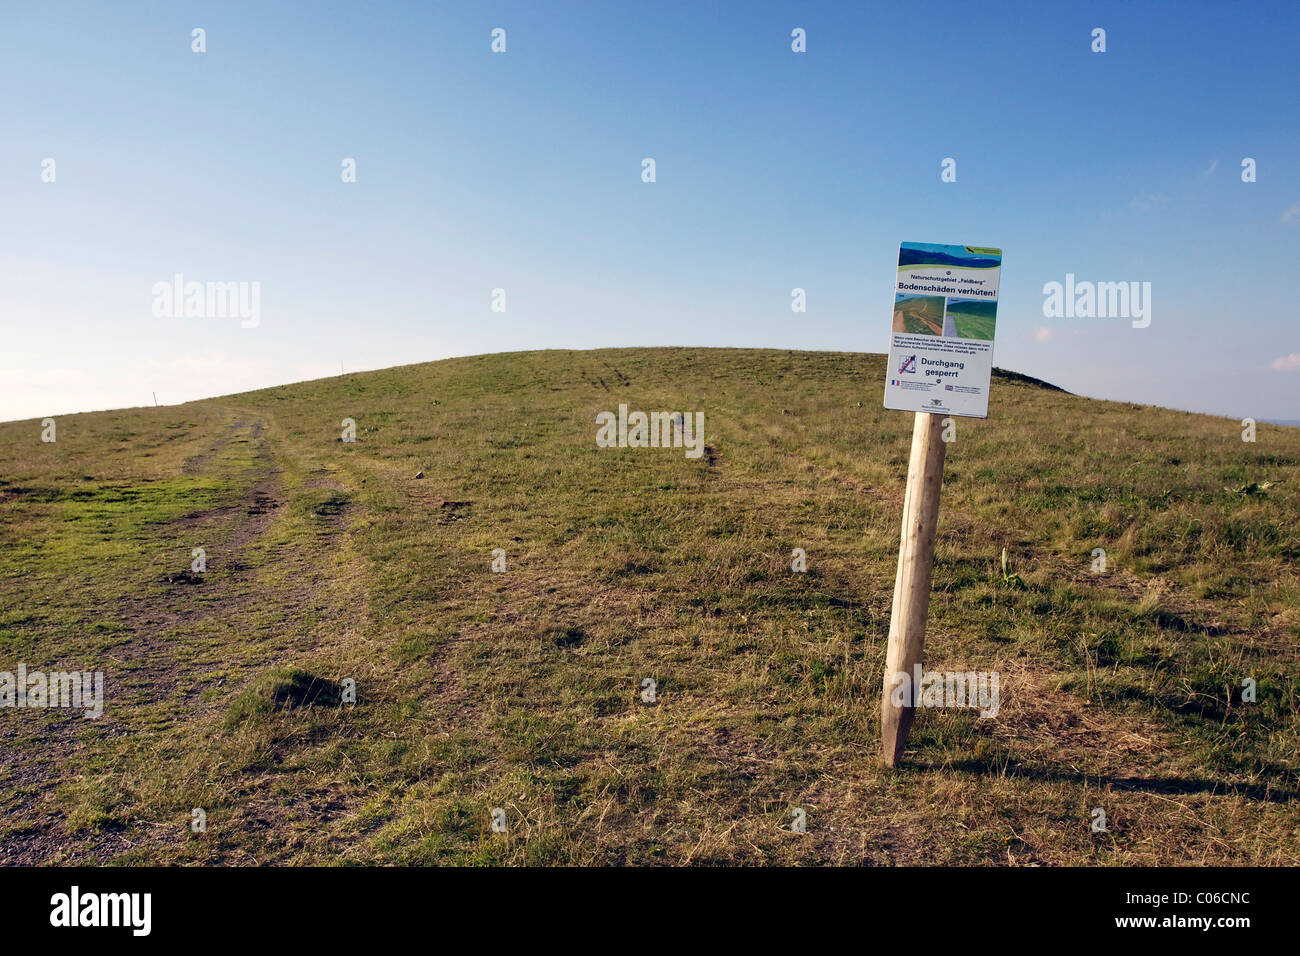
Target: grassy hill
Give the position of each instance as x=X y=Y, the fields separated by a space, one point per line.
x=329 y=561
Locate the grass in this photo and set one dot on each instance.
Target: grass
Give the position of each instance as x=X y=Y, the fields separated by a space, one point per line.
x=522 y=691
x=973 y=320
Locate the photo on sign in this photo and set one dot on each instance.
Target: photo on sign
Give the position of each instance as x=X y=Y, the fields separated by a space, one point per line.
x=969 y=319
x=918 y=314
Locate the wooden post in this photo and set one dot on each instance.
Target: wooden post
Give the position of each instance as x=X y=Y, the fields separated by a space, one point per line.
x=912 y=585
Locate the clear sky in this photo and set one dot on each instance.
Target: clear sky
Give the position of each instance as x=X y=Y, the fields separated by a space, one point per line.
x=522 y=171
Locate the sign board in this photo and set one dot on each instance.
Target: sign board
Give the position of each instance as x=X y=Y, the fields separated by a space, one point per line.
x=941 y=345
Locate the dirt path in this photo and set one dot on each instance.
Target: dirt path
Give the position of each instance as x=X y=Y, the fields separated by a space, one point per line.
x=226 y=587
x=901 y=317
x=143 y=672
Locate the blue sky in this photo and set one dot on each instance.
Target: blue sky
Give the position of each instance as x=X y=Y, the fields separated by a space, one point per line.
x=522 y=171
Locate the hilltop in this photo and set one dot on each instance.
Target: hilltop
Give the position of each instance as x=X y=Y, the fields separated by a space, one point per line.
x=330 y=566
